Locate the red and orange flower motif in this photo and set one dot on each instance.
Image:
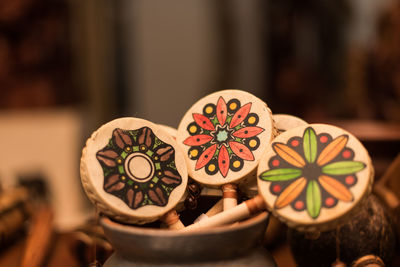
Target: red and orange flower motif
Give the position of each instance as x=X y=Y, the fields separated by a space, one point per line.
x=223 y=137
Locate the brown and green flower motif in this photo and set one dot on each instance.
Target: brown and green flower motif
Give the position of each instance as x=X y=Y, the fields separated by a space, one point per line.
x=139 y=168
x=312 y=172
x=223 y=137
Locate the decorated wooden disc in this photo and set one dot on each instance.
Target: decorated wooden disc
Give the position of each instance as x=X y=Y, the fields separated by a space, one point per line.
x=133 y=171
x=284 y=122
x=311 y=177
x=224 y=136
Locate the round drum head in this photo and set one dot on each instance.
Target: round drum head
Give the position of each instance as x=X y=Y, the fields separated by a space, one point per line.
x=224 y=135
x=311 y=177
x=284 y=122
x=133 y=171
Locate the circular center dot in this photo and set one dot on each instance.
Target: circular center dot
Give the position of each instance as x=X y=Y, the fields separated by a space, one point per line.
x=222 y=136
x=323 y=139
x=194 y=153
x=211 y=167
x=295 y=143
x=209 y=110
x=329 y=201
x=276 y=188
x=139 y=167
x=299 y=205
x=349 y=180
x=236 y=164
x=346 y=154
x=312 y=171
x=252 y=120
x=252 y=143
x=193 y=129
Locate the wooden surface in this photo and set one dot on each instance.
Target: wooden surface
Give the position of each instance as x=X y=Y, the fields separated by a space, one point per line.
x=39 y=238
x=133 y=171
x=284 y=122
x=314 y=175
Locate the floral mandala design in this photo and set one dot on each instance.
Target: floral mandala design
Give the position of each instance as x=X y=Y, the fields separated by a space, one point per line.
x=223 y=136
x=139 y=168
x=312 y=172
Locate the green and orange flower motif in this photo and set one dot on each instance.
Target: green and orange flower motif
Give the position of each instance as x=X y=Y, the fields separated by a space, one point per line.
x=139 y=168
x=312 y=172
x=223 y=137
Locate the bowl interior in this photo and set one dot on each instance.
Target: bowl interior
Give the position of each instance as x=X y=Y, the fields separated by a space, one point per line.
x=218 y=243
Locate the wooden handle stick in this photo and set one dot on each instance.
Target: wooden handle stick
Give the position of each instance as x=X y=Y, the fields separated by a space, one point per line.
x=217 y=208
x=224 y=135
x=229 y=192
x=312 y=178
x=237 y=213
x=387 y=195
x=134 y=172
x=39 y=238
x=171 y=219
x=388 y=187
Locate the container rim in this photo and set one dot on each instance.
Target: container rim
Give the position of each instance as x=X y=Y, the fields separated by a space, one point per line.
x=108 y=223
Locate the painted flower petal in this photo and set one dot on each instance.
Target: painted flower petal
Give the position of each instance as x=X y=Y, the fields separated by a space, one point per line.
x=343 y=167
x=335 y=188
x=165 y=153
x=112 y=179
x=157 y=195
x=197 y=140
x=206 y=156
x=129 y=196
x=107 y=157
x=171 y=178
x=283 y=174
x=146 y=137
x=240 y=115
x=221 y=111
x=332 y=150
x=223 y=161
x=134 y=198
x=248 y=132
x=313 y=199
x=289 y=155
x=241 y=150
x=203 y=122
x=138 y=199
x=115 y=187
x=122 y=139
x=290 y=193
x=310 y=145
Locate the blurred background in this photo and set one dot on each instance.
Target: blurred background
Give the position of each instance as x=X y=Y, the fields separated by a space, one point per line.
x=69 y=66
